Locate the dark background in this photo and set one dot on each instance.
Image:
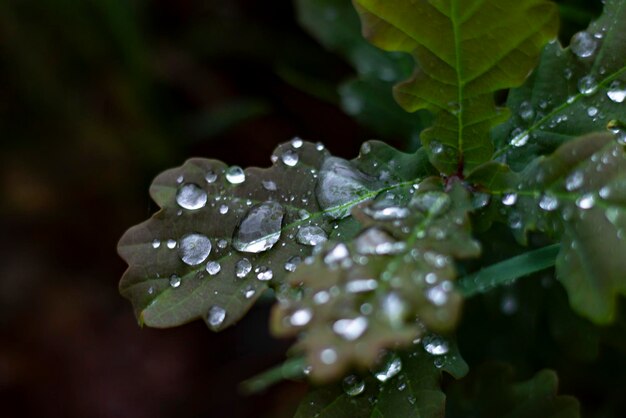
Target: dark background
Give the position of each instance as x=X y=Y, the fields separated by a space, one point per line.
x=96 y=98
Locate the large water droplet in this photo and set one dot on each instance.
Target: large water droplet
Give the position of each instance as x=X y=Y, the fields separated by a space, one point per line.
x=301 y=317
x=339 y=187
x=243 y=267
x=260 y=229
x=583 y=44
x=290 y=158
x=191 y=197
x=435 y=344
x=350 y=329
x=194 y=249
x=388 y=369
x=353 y=385
x=213 y=268
x=616 y=92
x=216 y=317
x=311 y=235
x=376 y=241
x=235 y=175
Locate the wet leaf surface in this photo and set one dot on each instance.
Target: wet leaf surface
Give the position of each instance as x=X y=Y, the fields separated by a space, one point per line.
x=573 y=91
x=465 y=52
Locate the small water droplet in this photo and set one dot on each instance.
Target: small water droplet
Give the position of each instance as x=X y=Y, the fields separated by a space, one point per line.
x=249 y=291
x=321 y=297
x=394 y=308
x=509 y=199
x=586 y=201
x=175 y=280
x=353 y=385
x=213 y=268
x=224 y=209
x=235 y=175
x=350 y=329
x=438 y=295
x=292 y=263
x=583 y=44
x=376 y=241
x=520 y=139
x=222 y=243
x=194 y=249
x=361 y=285
x=388 y=369
x=433 y=202
x=311 y=235
x=297 y=142
x=171 y=244
x=211 y=176
x=156 y=243
x=526 y=111
x=301 y=317
x=260 y=229
x=290 y=158
x=435 y=345
x=616 y=92
x=243 y=267
x=328 y=356
x=191 y=197
x=548 y=202
x=574 y=180
x=587 y=85
x=337 y=254
x=592 y=111
x=216 y=317
x=269 y=185
x=264 y=273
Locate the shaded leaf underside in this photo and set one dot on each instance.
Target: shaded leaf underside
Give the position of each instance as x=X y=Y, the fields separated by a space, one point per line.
x=465 y=51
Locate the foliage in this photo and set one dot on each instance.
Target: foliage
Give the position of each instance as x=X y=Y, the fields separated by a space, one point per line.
x=363 y=256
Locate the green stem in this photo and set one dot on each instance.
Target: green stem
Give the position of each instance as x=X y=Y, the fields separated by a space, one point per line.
x=291 y=369
x=508 y=270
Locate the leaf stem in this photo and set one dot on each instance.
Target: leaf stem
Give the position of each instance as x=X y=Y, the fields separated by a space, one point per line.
x=290 y=369
x=507 y=271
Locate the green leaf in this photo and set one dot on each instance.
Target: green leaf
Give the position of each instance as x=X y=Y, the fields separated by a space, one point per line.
x=413 y=391
x=465 y=52
x=335 y=24
x=507 y=271
x=578 y=195
x=569 y=93
x=252 y=226
x=357 y=298
x=490 y=392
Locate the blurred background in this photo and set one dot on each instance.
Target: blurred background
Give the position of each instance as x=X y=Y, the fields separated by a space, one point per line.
x=96 y=98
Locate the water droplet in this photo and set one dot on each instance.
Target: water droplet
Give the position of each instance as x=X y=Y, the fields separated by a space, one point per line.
x=520 y=139
x=612 y=214
x=339 y=187
x=194 y=249
x=290 y=158
x=311 y=235
x=213 y=268
x=366 y=148
x=260 y=229
x=243 y=267
x=328 y=356
x=156 y=243
x=297 y=142
x=435 y=344
x=350 y=329
x=235 y=175
x=438 y=295
x=301 y=317
x=249 y=291
x=586 y=201
x=353 y=385
x=587 y=85
x=592 y=111
x=216 y=317
x=388 y=369
x=433 y=202
x=376 y=241
x=394 y=308
x=583 y=44
x=224 y=209
x=361 y=285
x=191 y=197
x=321 y=297
x=269 y=185
x=526 y=111
x=211 y=176
x=319 y=146
x=480 y=200
x=436 y=147
x=382 y=211
x=264 y=273
x=292 y=263
x=616 y=92
x=548 y=202
x=222 y=243
x=175 y=280
x=171 y=244
x=337 y=254
x=509 y=199
x=574 y=180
